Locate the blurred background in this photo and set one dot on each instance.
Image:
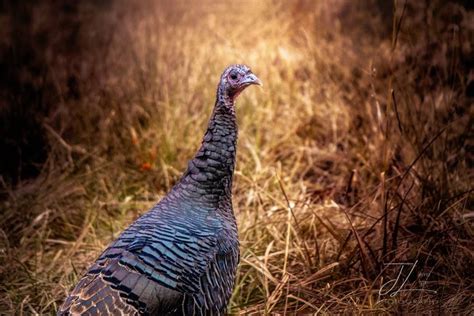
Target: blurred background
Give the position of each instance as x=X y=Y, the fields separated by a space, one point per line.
x=358 y=152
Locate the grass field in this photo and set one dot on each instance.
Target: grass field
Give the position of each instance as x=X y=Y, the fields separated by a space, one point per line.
x=357 y=152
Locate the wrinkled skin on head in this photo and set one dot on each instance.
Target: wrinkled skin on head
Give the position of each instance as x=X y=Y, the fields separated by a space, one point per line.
x=234 y=80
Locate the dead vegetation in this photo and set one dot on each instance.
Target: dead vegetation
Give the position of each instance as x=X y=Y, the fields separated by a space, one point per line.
x=357 y=153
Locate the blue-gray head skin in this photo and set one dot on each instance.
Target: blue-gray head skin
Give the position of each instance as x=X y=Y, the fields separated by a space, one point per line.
x=234 y=80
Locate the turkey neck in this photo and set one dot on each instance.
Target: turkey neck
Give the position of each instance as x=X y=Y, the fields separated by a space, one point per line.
x=209 y=174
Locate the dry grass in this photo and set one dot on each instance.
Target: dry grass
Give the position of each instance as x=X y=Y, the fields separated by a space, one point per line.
x=357 y=153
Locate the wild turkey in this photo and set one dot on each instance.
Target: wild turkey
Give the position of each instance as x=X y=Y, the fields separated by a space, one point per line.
x=180 y=257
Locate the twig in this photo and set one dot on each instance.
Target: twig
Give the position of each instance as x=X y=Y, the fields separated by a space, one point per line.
x=69 y=148
x=394 y=100
x=419 y=156
x=399 y=24
x=290 y=210
x=397 y=220
x=365 y=262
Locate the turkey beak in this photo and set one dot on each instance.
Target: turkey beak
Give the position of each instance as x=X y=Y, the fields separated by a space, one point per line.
x=251 y=79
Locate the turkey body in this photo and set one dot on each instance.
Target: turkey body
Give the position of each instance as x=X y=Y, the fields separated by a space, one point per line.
x=163 y=264
x=179 y=258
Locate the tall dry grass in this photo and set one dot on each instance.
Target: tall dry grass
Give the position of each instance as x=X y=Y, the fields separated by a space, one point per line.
x=356 y=153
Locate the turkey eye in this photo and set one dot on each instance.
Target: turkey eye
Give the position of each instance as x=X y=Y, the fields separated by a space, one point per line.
x=233 y=76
